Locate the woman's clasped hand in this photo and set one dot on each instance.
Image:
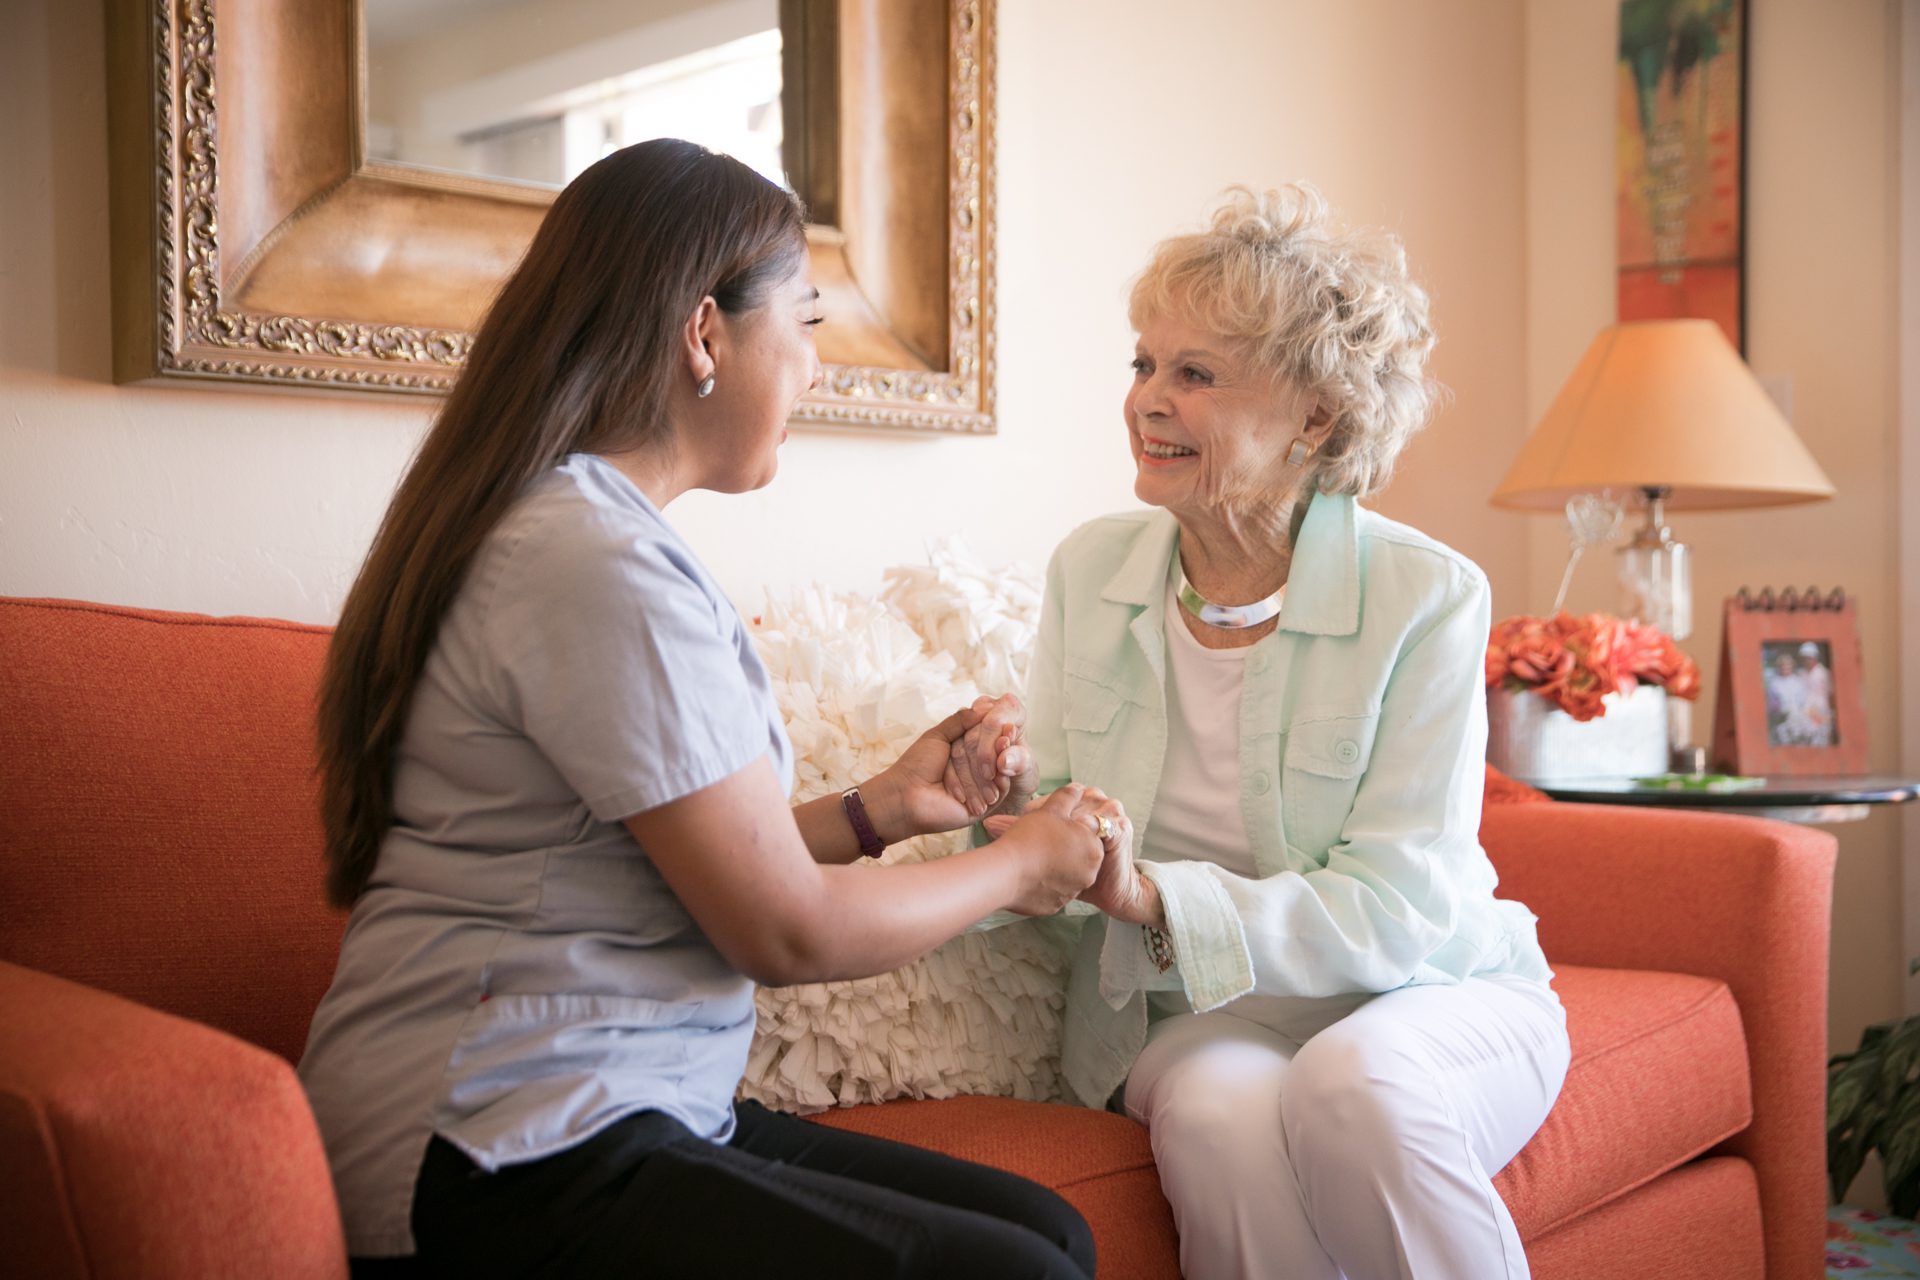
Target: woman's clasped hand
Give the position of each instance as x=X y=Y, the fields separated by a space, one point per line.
x=995 y=769
x=972 y=764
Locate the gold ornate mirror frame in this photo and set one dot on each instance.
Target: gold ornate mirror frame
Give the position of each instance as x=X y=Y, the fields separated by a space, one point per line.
x=254 y=242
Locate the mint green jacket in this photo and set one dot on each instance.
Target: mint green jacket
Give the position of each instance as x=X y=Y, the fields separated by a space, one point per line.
x=1362 y=747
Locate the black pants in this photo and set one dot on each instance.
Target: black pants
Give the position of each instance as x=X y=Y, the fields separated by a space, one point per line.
x=784 y=1198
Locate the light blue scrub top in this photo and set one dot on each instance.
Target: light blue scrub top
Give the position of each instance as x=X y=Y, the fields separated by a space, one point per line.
x=517 y=975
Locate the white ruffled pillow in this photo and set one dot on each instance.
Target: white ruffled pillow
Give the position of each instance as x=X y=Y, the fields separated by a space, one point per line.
x=857 y=679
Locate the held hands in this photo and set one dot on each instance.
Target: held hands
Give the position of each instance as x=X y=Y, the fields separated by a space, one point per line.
x=1118 y=889
x=989 y=768
x=1058 y=851
x=969 y=764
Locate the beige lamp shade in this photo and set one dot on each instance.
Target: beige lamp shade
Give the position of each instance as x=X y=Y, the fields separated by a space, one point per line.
x=1668 y=404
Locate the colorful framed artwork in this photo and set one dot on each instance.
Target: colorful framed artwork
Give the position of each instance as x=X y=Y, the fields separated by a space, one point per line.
x=1790 y=701
x=1681 y=166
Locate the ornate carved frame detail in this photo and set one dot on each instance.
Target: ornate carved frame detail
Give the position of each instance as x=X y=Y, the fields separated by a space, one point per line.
x=255 y=243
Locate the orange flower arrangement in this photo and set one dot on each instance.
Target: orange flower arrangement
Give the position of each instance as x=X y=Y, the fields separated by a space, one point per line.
x=1575 y=663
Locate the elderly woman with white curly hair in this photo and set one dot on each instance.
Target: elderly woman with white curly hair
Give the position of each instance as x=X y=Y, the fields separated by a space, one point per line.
x=1304 y=987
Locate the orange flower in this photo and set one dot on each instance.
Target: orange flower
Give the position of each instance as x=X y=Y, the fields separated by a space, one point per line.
x=1575 y=663
x=1685 y=681
x=1656 y=659
x=1529 y=653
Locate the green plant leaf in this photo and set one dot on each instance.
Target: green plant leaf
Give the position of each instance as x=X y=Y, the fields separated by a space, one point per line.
x=1904 y=1199
x=1847 y=1153
x=1845 y=1158
x=1856 y=1108
x=1853 y=1084
x=1869 y=1040
x=1847 y=1093
x=1900 y=1139
x=1900 y=1056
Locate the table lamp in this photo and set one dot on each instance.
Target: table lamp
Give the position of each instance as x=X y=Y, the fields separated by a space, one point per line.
x=1666 y=408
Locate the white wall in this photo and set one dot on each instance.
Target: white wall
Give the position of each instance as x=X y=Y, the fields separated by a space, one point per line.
x=258 y=502
x=1127 y=141
x=214 y=500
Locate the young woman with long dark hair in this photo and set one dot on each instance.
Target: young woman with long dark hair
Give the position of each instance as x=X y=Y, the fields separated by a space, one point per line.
x=554 y=786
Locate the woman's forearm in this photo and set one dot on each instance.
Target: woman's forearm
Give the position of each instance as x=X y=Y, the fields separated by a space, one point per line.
x=734 y=855
x=874 y=919
x=828 y=831
x=827 y=828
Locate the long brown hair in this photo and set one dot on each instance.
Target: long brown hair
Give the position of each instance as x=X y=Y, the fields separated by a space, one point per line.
x=576 y=354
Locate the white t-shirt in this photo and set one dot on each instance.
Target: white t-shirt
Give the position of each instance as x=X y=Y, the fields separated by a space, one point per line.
x=1196 y=813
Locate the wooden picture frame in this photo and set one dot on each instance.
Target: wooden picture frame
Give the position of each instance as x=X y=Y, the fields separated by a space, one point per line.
x=1789 y=701
x=255 y=242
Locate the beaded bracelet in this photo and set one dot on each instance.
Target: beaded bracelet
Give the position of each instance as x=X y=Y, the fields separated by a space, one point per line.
x=1159 y=947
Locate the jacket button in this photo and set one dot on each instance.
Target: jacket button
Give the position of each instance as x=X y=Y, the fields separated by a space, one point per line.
x=1347 y=751
x=1261 y=785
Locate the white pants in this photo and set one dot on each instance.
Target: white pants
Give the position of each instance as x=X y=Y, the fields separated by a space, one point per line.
x=1366 y=1152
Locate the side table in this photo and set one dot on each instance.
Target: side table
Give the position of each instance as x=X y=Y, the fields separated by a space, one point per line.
x=1810 y=800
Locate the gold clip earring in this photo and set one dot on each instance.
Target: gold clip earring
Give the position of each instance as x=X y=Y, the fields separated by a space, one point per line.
x=1300 y=451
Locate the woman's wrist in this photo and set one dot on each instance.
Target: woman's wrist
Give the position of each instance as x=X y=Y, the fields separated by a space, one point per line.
x=886 y=808
x=1150 y=910
x=1014 y=866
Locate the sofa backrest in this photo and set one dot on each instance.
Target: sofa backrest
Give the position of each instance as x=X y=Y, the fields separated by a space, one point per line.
x=158 y=831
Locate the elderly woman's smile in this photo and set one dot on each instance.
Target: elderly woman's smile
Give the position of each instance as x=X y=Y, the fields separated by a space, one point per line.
x=1208 y=426
x=1160 y=451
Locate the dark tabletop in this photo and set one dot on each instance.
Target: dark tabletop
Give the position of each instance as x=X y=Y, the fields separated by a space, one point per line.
x=1784 y=792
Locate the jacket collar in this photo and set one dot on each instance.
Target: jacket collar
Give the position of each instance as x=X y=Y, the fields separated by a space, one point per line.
x=1323 y=586
x=1142 y=576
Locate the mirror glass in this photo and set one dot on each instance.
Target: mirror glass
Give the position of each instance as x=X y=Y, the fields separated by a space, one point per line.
x=536 y=90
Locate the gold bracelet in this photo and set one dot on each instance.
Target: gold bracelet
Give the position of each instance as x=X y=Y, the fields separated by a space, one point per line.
x=1159 y=946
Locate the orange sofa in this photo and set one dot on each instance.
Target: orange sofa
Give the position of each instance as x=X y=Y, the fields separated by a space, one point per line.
x=163 y=942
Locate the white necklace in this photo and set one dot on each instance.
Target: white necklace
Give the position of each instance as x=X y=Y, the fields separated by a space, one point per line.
x=1229 y=617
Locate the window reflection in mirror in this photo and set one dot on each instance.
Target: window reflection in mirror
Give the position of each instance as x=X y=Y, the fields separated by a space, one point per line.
x=536 y=90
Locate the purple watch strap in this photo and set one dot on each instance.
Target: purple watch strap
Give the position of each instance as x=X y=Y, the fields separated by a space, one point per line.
x=871 y=845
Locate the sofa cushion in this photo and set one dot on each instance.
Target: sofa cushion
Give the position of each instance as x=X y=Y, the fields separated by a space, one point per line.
x=134 y=1144
x=159 y=779
x=1700 y=1220
x=1099 y=1162
x=857 y=680
x=1500 y=789
x=1659 y=1075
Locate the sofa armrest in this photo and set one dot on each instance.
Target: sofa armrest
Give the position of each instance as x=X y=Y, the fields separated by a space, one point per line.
x=1744 y=900
x=137 y=1144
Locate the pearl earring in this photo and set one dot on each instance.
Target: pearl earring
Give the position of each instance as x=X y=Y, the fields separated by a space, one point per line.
x=1300 y=451
x=705 y=388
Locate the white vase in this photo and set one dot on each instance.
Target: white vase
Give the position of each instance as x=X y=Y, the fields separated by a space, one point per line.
x=1531 y=739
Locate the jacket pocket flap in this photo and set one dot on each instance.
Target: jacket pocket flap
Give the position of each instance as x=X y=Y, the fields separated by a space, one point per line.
x=1335 y=747
x=1089 y=707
